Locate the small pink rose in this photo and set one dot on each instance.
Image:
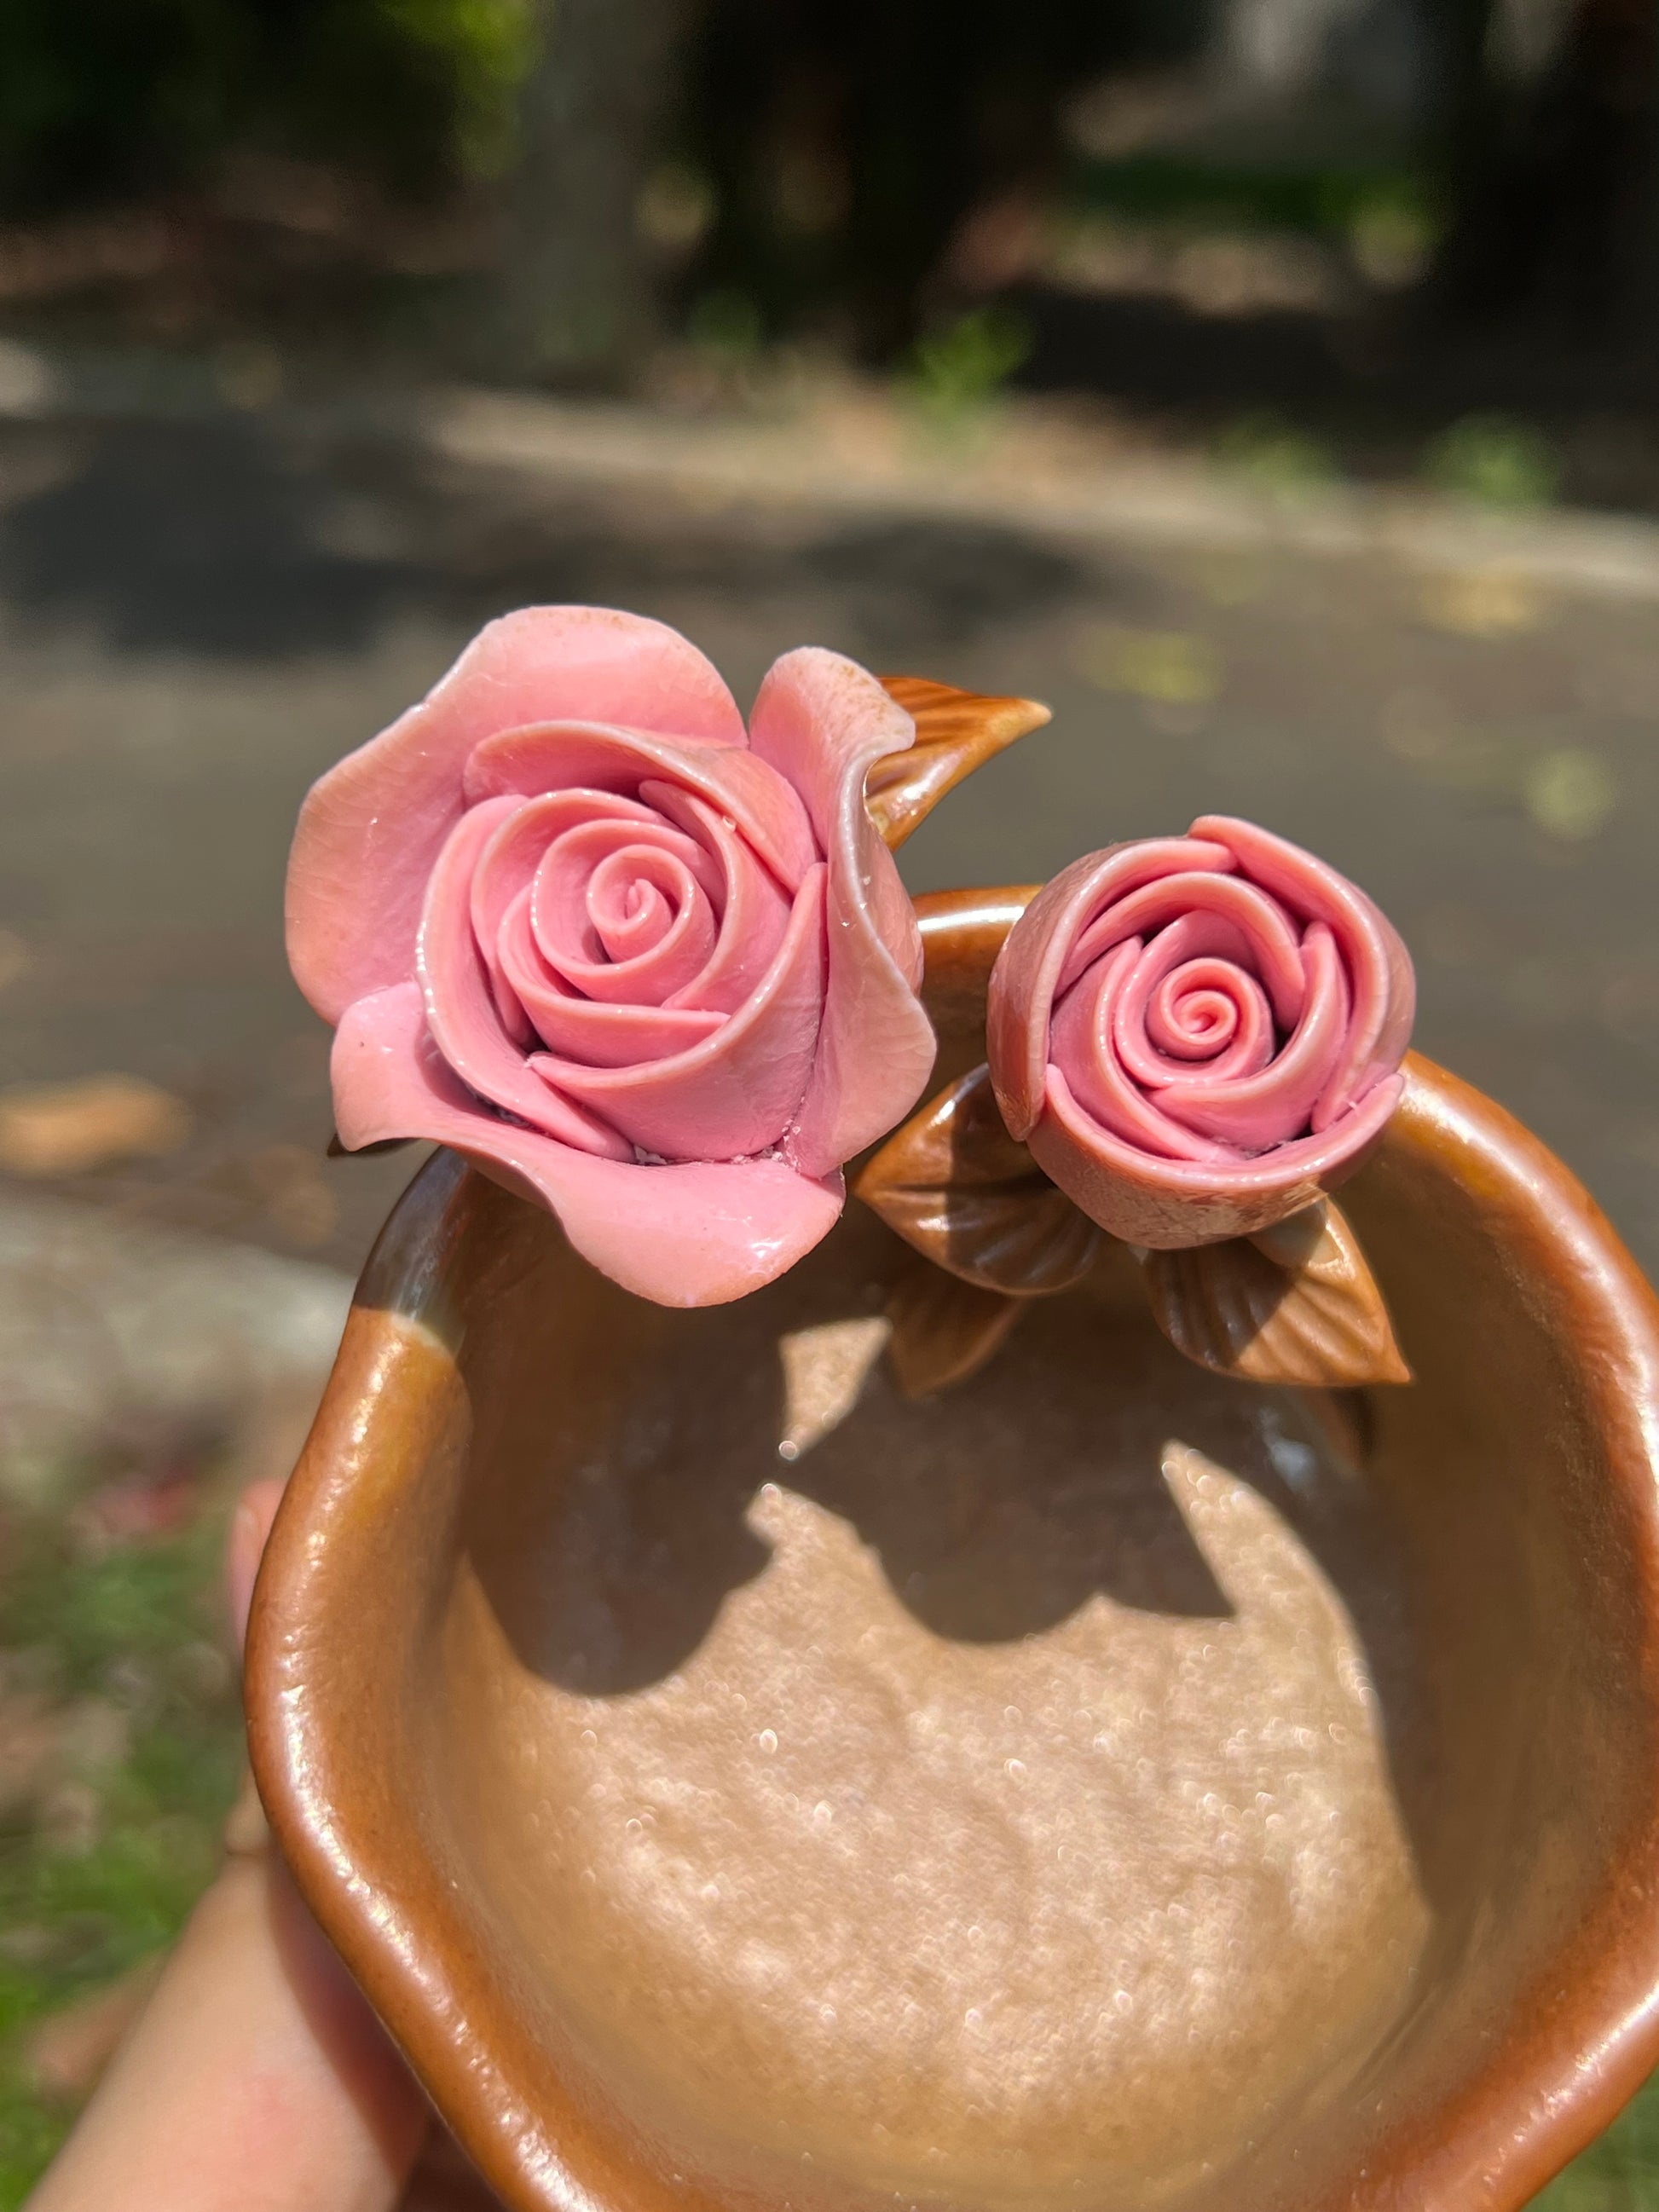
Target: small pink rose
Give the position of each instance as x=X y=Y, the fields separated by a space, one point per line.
x=1199 y=1035
x=570 y=919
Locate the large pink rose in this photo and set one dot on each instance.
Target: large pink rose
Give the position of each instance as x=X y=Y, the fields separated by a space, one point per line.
x=1199 y=1035
x=652 y=970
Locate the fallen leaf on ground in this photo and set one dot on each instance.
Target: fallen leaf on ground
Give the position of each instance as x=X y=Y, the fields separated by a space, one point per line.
x=66 y=1128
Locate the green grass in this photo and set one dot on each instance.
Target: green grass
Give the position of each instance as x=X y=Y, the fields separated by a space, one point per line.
x=1327 y=202
x=132 y=1633
x=1620 y=2173
x=138 y=1628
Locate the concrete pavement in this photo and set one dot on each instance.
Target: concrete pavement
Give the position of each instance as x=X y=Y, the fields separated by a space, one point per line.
x=199 y=612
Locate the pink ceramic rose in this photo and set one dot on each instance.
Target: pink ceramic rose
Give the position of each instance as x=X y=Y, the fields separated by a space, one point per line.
x=1198 y=1036
x=652 y=970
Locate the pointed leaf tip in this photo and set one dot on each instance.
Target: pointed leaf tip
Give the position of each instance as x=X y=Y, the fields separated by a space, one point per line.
x=956 y=731
x=1296 y=1303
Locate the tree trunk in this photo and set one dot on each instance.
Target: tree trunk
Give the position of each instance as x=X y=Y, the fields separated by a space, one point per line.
x=1554 y=196
x=580 y=305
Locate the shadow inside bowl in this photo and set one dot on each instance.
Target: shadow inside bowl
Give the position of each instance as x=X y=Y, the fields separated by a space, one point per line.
x=1102 y=1784
x=1027 y=1774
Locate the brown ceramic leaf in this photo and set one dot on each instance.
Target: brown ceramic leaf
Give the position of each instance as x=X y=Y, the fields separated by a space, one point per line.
x=953 y=1183
x=956 y=731
x=1294 y=1303
x=943 y=1329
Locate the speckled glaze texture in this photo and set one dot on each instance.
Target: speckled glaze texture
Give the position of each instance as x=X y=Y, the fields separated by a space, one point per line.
x=1109 y=1784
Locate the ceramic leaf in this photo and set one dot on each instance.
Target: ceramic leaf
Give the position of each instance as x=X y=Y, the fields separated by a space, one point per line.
x=956 y=731
x=943 y=1329
x=1294 y=1303
x=953 y=1183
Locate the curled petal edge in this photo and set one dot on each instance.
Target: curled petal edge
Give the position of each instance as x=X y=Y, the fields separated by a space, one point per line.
x=371 y=828
x=695 y=1234
x=822 y=722
x=1165 y=1204
x=1019 y=1002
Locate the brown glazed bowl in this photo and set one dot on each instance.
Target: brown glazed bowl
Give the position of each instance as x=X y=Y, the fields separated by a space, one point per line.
x=1103 y=1785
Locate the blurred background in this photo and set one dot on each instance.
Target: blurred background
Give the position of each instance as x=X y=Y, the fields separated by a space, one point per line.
x=1271 y=385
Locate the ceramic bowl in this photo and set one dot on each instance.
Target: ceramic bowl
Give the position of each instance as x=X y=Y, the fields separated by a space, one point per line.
x=1104 y=1784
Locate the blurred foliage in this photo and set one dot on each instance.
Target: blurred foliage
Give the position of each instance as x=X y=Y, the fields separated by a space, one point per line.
x=726 y=325
x=954 y=374
x=1496 y=459
x=99 y=97
x=131 y=1632
x=844 y=140
x=1620 y=2173
x=1328 y=201
x=1275 y=457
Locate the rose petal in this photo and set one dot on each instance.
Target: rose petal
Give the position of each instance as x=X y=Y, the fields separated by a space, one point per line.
x=1256 y=1112
x=821 y=721
x=553 y=755
x=599 y=1035
x=736 y=1093
x=692 y=1236
x=1162 y=1204
x=1275 y=954
x=757 y=905
x=586 y=1030
x=1201 y=953
x=619 y=912
x=1379 y=966
x=460 y=1007
x=509 y=861
x=371 y=830
x=1084 y=1055
x=1026 y=977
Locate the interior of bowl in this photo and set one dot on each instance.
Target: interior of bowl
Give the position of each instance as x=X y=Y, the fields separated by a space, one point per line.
x=1103 y=1784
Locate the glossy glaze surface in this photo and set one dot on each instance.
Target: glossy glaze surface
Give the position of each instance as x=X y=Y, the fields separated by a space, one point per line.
x=1293 y=1758
x=1199 y=1035
x=647 y=967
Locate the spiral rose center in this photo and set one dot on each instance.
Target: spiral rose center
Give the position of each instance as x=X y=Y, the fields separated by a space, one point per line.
x=625 y=910
x=1195 y=1013
x=1192 y=1040
x=636 y=898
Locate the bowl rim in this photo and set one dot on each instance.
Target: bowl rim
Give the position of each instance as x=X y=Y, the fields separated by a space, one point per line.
x=1550 y=2084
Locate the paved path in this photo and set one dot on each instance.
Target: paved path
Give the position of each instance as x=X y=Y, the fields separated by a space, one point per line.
x=197 y=616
